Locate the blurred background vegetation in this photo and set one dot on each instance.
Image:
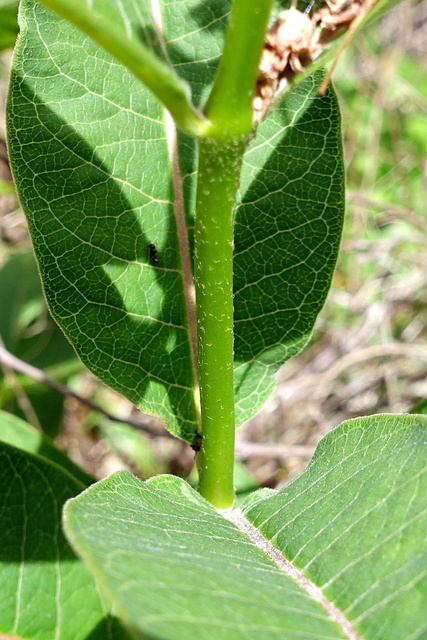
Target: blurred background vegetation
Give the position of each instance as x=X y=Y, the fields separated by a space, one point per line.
x=368 y=353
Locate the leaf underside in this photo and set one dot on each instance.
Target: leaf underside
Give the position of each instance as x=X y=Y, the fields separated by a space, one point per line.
x=90 y=156
x=46 y=591
x=353 y=524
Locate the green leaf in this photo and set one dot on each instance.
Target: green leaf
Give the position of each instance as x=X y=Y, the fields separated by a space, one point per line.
x=46 y=591
x=20 y=286
x=350 y=530
x=175 y=568
x=420 y=407
x=89 y=149
x=8 y=23
x=132 y=446
x=6 y=188
x=288 y=229
x=98 y=197
x=130 y=35
x=18 y=433
x=355 y=523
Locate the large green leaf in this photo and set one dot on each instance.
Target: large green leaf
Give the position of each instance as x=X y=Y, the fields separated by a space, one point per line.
x=339 y=553
x=176 y=568
x=355 y=523
x=288 y=228
x=46 y=592
x=89 y=149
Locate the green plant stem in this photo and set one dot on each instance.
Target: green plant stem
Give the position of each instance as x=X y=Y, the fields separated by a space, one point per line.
x=158 y=76
x=230 y=103
x=219 y=172
x=230 y=112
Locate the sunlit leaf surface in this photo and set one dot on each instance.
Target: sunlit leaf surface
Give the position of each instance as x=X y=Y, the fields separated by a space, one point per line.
x=338 y=553
x=91 y=152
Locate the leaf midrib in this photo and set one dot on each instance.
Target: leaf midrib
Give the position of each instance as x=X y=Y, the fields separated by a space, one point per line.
x=238 y=519
x=181 y=227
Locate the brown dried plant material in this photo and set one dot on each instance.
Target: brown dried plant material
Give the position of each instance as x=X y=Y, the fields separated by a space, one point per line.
x=296 y=39
x=290 y=46
x=337 y=14
x=290 y=41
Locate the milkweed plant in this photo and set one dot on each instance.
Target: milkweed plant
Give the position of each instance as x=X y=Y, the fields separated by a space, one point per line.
x=180 y=166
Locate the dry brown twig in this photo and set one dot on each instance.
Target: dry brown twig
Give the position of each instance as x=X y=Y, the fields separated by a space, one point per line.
x=12 y=362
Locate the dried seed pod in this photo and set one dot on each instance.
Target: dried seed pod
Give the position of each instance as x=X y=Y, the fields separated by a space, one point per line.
x=290 y=45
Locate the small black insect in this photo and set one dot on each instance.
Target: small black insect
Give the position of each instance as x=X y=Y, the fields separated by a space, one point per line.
x=153 y=254
x=197 y=444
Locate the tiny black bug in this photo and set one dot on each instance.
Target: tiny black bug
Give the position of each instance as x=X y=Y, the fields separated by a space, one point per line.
x=153 y=254
x=197 y=444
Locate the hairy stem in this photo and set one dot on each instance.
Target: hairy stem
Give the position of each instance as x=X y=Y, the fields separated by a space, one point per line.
x=230 y=103
x=230 y=113
x=219 y=172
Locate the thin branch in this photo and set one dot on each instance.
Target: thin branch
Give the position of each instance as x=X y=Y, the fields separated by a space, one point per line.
x=246 y=450
x=390 y=210
x=21 y=397
x=28 y=370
